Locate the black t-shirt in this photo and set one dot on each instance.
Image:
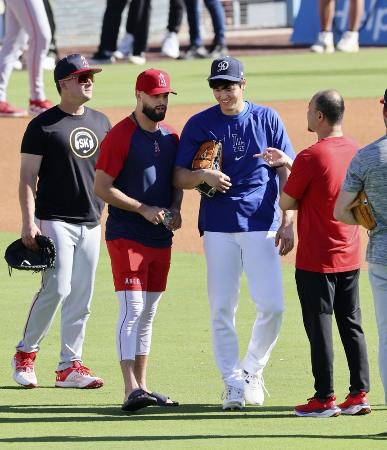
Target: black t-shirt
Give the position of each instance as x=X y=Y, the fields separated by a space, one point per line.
x=69 y=146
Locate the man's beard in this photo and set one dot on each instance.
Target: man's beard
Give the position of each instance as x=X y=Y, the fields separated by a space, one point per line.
x=152 y=114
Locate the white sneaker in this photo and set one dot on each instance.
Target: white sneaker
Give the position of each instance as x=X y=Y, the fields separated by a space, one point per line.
x=324 y=43
x=170 y=45
x=78 y=376
x=18 y=65
x=23 y=369
x=233 y=398
x=254 y=388
x=349 y=42
x=124 y=47
x=49 y=63
x=140 y=60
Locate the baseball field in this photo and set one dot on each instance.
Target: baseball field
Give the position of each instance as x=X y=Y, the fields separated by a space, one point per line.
x=181 y=362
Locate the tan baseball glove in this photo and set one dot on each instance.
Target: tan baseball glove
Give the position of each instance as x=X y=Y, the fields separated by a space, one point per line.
x=361 y=210
x=208 y=156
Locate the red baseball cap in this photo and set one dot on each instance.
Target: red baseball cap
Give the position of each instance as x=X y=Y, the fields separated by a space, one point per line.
x=154 y=82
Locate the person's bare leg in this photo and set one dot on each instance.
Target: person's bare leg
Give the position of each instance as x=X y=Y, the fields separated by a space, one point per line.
x=356 y=10
x=140 y=367
x=327 y=12
x=128 y=374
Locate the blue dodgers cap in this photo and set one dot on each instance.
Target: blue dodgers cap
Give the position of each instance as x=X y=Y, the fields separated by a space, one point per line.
x=226 y=68
x=72 y=65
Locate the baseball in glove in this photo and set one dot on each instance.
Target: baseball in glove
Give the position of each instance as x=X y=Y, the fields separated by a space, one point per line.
x=20 y=257
x=361 y=210
x=208 y=156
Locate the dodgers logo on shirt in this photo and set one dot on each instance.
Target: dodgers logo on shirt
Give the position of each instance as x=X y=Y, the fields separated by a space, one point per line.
x=238 y=146
x=83 y=142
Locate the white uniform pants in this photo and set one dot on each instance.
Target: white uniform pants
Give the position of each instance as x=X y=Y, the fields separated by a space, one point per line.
x=227 y=255
x=378 y=278
x=135 y=321
x=21 y=17
x=69 y=285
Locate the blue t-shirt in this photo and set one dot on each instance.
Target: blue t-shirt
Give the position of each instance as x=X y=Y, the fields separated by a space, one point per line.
x=251 y=204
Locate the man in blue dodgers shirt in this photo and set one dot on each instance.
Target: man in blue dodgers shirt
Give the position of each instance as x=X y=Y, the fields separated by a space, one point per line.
x=241 y=225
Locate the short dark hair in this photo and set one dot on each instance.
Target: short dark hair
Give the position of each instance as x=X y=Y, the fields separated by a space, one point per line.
x=58 y=87
x=331 y=104
x=216 y=84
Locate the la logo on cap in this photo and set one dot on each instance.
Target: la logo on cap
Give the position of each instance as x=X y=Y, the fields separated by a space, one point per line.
x=162 y=80
x=223 y=65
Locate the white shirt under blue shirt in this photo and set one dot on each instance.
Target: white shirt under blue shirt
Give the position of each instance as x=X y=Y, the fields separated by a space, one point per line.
x=251 y=204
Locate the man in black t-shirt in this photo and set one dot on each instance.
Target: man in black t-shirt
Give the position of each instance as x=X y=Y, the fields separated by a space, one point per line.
x=59 y=152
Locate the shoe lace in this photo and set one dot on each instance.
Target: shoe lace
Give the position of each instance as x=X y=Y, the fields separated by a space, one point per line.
x=83 y=370
x=25 y=363
x=256 y=381
x=231 y=392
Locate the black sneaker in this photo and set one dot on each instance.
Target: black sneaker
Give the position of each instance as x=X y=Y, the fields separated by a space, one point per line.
x=102 y=57
x=217 y=51
x=195 y=52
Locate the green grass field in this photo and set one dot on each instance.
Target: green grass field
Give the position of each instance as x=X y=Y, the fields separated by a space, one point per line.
x=182 y=366
x=276 y=77
x=181 y=359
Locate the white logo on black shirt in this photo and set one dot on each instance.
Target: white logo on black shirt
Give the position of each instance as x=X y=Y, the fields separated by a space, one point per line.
x=83 y=142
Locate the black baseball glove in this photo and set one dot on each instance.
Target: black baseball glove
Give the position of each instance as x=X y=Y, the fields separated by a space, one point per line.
x=20 y=257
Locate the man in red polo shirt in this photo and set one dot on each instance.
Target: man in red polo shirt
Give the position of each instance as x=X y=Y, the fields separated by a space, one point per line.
x=328 y=257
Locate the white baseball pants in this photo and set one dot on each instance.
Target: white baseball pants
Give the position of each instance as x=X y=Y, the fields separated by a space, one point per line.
x=227 y=255
x=69 y=285
x=134 y=325
x=377 y=274
x=25 y=16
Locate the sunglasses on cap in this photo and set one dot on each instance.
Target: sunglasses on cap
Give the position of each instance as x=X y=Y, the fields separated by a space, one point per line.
x=83 y=78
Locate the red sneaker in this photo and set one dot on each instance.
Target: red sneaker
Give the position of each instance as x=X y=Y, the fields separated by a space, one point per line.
x=7 y=110
x=318 y=408
x=77 y=376
x=355 y=404
x=24 y=372
x=38 y=106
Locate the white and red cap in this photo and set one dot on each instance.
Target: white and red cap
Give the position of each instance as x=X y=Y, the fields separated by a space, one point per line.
x=72 y=65
x=154 y=82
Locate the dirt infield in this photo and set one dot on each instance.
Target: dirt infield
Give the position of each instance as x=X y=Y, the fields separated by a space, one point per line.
x=363 y=122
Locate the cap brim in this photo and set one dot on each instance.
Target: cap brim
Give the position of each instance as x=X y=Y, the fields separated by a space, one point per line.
x=87 y=70
x=224 y=77
x=158 y=91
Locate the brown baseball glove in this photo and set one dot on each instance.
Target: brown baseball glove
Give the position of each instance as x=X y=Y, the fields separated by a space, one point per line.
x=208 y=156
x=361 y=210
